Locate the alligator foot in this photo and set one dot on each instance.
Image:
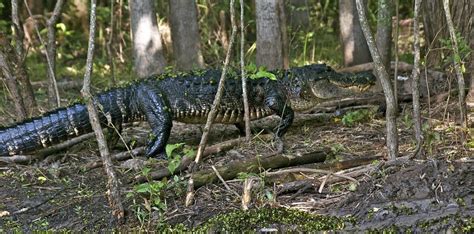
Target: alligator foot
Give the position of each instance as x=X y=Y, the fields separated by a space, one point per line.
x=278 y=144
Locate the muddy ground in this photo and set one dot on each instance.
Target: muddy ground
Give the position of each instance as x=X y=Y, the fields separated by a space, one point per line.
x=433 y=193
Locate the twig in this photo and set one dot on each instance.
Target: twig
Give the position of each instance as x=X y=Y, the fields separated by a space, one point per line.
x=223 y=181
x=310 y=170
x=213 y=111
x=244 y=79
x=247 y=193
x=320 y=190
x=112 y=182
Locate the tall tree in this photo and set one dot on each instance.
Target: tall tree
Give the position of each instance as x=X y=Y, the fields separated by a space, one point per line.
x=269 y=38
x=299 y=14
x=353 y=41
x=147 y=47
x=185 y=34
x=435 y=25
x=390 y=113
x=383 y=36
x=435 y=28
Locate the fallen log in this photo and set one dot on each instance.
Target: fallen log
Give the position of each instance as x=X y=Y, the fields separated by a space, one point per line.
x=259 y=164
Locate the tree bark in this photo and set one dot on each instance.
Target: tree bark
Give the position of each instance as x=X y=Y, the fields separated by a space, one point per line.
x=284 y=35
x=299 y=14
x=384 y=31
x=435 y=27
x=12 y=85
x=21 y=73
x=53 y=92
x=354 y=45
x=147 y=47
x=390 y=114
x=185 y=34
x=269 y=40
x=416 y=77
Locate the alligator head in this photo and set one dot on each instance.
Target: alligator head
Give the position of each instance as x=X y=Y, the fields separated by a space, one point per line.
x=311 y=85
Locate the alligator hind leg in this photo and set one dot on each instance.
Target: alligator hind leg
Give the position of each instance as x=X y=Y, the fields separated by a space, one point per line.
x=157 y=112
x=113 y=135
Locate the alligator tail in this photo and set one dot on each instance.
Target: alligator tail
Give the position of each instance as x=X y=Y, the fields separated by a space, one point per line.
x=63 y=124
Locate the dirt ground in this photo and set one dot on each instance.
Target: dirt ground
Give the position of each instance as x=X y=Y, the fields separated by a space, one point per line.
x=432 y=193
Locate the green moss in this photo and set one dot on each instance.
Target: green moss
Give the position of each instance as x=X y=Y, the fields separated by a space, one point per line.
x=254 y=219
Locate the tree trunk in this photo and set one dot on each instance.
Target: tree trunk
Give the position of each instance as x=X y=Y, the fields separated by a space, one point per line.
x=20 y=56
x=284 y=35
x=269 y=40
x=384 y=31
x=353 y=41
x=299 y=14
x=147 y=48
x=435 y=27
x=457 y=64
x=383 y=36
x=390 y=114
x=185 y=34
x=11 y=82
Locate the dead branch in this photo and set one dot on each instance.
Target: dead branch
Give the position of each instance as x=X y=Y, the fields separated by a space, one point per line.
x=352 y=168
x=310 y=170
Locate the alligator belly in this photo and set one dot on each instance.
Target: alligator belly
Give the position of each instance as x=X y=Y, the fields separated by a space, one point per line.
x=224 y=116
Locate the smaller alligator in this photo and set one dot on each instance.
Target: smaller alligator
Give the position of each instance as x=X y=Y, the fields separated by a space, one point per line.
x=187 y=98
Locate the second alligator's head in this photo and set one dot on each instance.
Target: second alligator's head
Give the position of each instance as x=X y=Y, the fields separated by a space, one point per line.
x=311 y=85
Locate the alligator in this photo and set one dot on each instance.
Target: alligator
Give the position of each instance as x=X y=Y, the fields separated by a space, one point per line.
x=187 y=98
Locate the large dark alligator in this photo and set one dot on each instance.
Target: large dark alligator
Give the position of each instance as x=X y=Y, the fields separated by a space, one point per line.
x=187 y=98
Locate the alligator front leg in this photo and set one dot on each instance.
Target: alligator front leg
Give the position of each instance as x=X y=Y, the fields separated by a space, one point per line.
x=158 y=113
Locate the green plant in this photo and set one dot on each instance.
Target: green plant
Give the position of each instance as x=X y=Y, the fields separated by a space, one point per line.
x=431 y=137
x=174 y=158
x=151 y=193
x=463 y=49
x=261 y=72
x=358 y=116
